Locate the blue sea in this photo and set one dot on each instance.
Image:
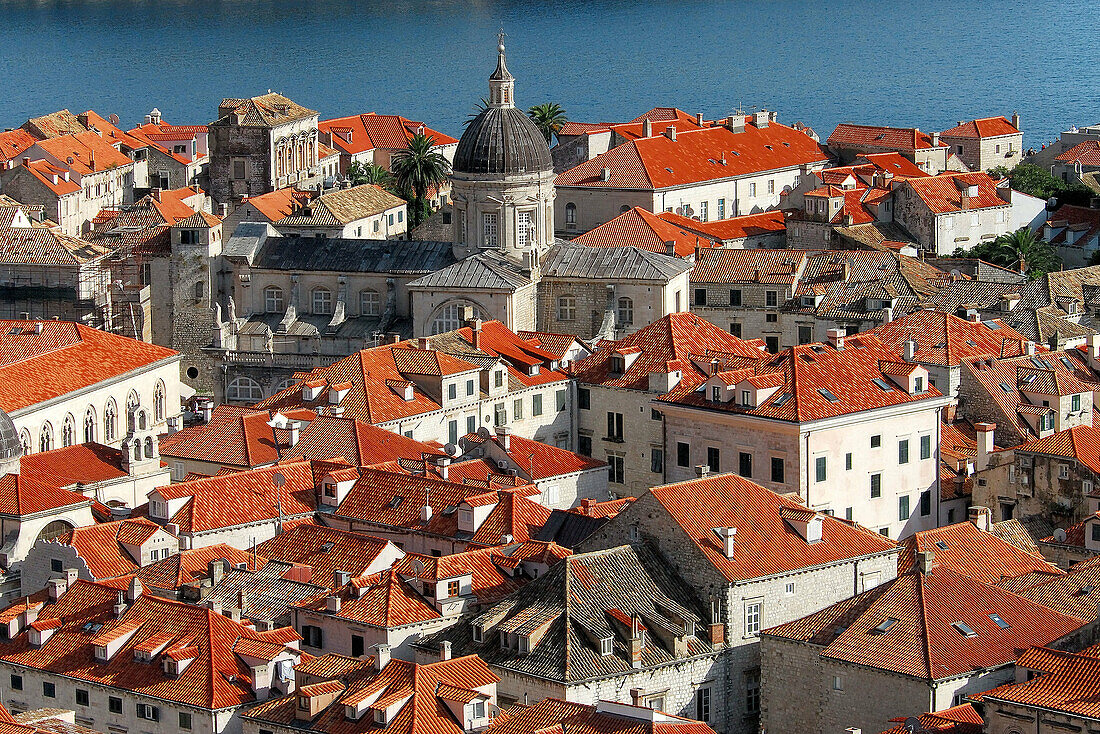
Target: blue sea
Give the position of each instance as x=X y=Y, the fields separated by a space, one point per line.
x=926 y=64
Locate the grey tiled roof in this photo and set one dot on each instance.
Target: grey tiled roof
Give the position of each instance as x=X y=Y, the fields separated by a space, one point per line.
x=267 y=595
x=486 y=270
x=352 y=255
x=580 y=599
x=565 y=260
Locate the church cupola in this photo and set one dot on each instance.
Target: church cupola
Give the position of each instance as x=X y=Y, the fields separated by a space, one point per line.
x=502 y=85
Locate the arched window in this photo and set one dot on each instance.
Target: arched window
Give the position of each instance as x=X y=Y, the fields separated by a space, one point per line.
x=567 y=308
x=624 y=208
x=244 y=389
x=142 y=419
x=626 y=311
x=110 y=421
x=200 y=290
x=289 y=382
x=54 y=530
x=450 y=317
x=89 y=425
x=45 y=437
x=132 y=403
x=25 y=440
x=158 y=402
x=370 y=302
x=570 y=213
x=68 y=430
x=322 y=301
x=273 y=299
x=148 y=447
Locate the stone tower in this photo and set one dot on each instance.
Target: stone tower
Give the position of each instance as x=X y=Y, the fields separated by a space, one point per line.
x=503 y=180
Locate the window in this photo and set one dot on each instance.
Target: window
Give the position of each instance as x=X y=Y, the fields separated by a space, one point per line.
x=918 y=384
x=452 y=391
x=925 y=503
x=1075 y=402
x=771 y=318
x=567 y=308
x=721 y=208
x=469 y=387
x=735 y=330
x=805 y=334
x=876 y=486
x=903 y=451
x=525 y=228
x=244 y=389
x=744 y=464
x=903 y=507
x=109 y=421
x=683 y=454
x=735 y=297
x=1096 y=532
x=848 y=462
x=771 y=185
x=789 y=590
x=777 y=469
x=500 y=415
x=625 y=313
x=571 y=213
x=489 y=229
x=700 y=296
x=752 y=692
x=838 y=683
x=584 y=445
x=1063 y=471
x=498 y=378
x=536 y=405
x=312 y=636
x=185 y=720
x=147 y=712
x=450 y=317
x=820 y=472
x=702 y=701
x=752 y=619
x=654 y=414
x=454 y=588
x=559 y=400
x=82 y=698
x=517 y=409
x=45 y=438
x=926 y=447
x=68 y=430
x=584 y=398
x=322 y=301
x=238 y=169
x=114 y=705
x=615 y=469
x=657 y=461
x=714 y=458
x=614 y=426
x=771 y=343
x=452 y=431
x=771 y=299
x=752 y=189
x=16 y=682
x=369 y=302
x=876 y=441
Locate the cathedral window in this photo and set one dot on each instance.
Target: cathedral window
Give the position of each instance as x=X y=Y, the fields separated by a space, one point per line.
x=571 y=213
x=273 y=299
x=567 y=308
x=369 y=302
x=45 y=438
x=626 y=312
x=489 y=230
x=244 y=389
x=68 y=430
x=322 y=301
x=89 y=425
x=525 y=229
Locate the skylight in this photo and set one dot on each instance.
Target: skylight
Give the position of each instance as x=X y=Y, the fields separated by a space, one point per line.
x=782 y=400
x=825 y=393
x=1067 y=363
x=941 y=545
x=971 y=342
x=1005 y=387
x=882 y=385
x=396 y=502
x=883 y=626
x=998 y=621
x=1039 y=363
x=964 y=629
x=993 y=325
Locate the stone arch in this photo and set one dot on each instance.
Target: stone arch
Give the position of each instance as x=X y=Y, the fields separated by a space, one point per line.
x=89 y=425
x=68 y=430
x=53 y=530
x=448 y=316
x=45 y=437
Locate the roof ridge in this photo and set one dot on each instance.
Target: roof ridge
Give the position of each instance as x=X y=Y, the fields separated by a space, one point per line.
x=926 y=648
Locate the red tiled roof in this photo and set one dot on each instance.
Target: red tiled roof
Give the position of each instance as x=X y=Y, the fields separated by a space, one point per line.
x=879 y=136
x=1086 y=153
x=946 y=340
x=848 y=374
x=90 y=152
x=214 y=679
x=781 y=267
x=519 y=353
x=765 y=543
x=371 y=131
x=53 y=177
x=961 y=719
x=978 y=555
x=1081 y=443
x=79 y=464
x=1070 y=685
x=244 y=497
x=540 y=460
x=325 y=550
x=640 y=228
x=923 y=640
x=278 y=204
x=21 y=496
x=193 y=565
x=673 y=338
x=556 y=344
x=65 y=357
x=553 y=715
x=696 y=156
x=735 y=228
x=986 y=127
x=14 y=142
x=942 y=193
x=234 y=436
x=99 y=546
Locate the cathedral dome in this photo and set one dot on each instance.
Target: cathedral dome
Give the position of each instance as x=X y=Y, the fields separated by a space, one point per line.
x=502 y=139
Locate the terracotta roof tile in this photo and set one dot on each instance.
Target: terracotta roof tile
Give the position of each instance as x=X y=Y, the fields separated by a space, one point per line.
x=968 y=551
x=640 y=228
x=986 y=127
x=880 y=136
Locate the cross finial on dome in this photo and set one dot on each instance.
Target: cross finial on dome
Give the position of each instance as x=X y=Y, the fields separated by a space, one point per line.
x=500 y=39
x=501 y=82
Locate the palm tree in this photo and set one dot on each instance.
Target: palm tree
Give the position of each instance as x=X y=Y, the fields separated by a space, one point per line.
x=549 y=118
x=1021 y=249
x=370 y=173
x=481 y=106
x=416 y=169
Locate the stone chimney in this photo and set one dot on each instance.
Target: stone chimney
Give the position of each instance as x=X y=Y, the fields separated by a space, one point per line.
x=935 y=140
x=504 y=437
x=980 y=516
x=635 y=696
x=670 y=133
x=836 y=338
x=134 y=590
x=984 y=434
x=381 y=656
x=445 y=650
x=924 y=561
x=717 y=629
x=909 y=350
x=295 y=429
x=635 y=641
x=1016 y=120
x=728 y=537
x=647 y=128
x=475 y=332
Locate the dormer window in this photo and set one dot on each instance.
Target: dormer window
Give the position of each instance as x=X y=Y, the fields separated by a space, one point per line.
x=618 y=364
x=745 y=398
x=918 y=384
x=478 y=632
x=715 y=393
x=606 y=646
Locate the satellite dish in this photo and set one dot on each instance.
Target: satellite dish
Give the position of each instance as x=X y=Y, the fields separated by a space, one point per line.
x=912 y=725
x=278 y=479
x=418 y=567
x=1060 y=535
x=483 y=432
x=113 y=119
x=450 y=449
x=69 y=160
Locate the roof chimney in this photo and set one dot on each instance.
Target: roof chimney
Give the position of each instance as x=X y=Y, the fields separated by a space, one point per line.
x=295 y=429
x=924 y=561
x=727 y=535
x=445 y=650
x=980 y=517
x=670 y=247
x=647 y=128
x=670 y=133
x=935 y=140
x=699 y=119
x=381 y=656
x=836 y=338
x=984 y=433
x=909 y=350
x=605 y=174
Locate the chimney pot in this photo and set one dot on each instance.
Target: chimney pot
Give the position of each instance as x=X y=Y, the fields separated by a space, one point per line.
x=445 y=650
x=980 y=517
x=381 y=656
